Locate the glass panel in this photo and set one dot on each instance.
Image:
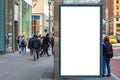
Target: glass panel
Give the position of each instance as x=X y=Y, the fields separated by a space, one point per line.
x=36 y=24
x=30 y=19
x=8 y=27
x=25 y=19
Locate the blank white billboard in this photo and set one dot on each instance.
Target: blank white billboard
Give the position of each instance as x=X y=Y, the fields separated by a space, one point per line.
x=80 y=40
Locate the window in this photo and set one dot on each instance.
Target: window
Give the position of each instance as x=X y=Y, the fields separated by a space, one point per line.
x=117 y=1
x=9 y=26
x=117 y=19
x=35 y=24
x=25 y=18
x=118 y=25
x=117 y=7
x=117 y=14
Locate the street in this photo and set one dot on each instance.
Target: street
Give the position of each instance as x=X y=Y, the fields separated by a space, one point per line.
x=115 y=62
x=15 y=66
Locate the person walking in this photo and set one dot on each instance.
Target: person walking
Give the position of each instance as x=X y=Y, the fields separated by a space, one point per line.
x=46 y=42
x=52 y=43
x=42 y=51
x=23 y=44
x=40 y=38
x=30 y=44
x=18 y=43
x=107 y=55
x=36 y=45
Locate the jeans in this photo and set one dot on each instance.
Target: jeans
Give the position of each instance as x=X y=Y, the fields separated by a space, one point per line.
x=31 y=51
x=18 y=46
x=53 y=50
x=45 y=50
x=106 y=64
x=36 y=52
x=22 y=49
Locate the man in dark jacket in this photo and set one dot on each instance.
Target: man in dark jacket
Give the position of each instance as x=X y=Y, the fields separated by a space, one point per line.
x=36 y=45
x=46 y=43
x=30 y=45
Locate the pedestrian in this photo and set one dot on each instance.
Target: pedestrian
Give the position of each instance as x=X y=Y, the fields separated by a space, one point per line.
x=36 y=45
x=40 y=38
x=30 y=44
x=52 y=43
x=23 y=44
x=42 y=52
x=107 y=55
x=18 y=43
x=45 y=44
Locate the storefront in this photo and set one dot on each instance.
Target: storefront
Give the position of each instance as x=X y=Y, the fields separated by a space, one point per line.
x=2 y=24
x=7 y=27
x=25 y=19
x=15 y=19
x=35 y=24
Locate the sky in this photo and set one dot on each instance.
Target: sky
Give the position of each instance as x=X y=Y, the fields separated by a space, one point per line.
x=29 y=1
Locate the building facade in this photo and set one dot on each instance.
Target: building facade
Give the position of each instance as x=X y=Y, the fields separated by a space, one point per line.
x=111 y=12
x=25 y=18
x=9 y=29
x=41 y=11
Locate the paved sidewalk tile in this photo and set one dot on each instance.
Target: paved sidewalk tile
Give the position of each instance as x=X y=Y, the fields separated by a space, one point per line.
x=17 y=66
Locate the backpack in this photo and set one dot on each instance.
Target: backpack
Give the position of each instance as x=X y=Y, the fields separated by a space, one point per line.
x=23 y=43
x=109 y=51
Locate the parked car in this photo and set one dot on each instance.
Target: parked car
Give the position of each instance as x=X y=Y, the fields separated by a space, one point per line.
x=113 y=39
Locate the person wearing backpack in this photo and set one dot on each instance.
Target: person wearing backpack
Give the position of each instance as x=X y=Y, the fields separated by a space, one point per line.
x=23 y=44
x=107 y=55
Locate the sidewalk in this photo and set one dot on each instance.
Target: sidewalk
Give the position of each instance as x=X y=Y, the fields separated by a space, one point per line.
x=17 y=66
x=115 y=62
x=115 y=66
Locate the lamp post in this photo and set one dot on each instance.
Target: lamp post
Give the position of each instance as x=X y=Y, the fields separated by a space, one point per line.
x=49 y=3
x=107 y=21
x=109 y=30
x=109 y=27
